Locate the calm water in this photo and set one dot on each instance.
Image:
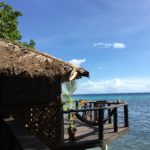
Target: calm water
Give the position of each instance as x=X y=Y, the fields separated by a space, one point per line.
x=138 y=138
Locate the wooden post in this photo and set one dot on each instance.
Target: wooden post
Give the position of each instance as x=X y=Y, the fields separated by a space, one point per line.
x=1 y=88
x=1 y=98
x=85 y=113
x=101 y=124
x=77 y=105
x=91 y=111
x=115 y=120
x=126 y=121
x=95 y=112
x=61 y=115
x=109 y=112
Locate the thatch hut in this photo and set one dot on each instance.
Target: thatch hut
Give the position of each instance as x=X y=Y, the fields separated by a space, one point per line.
x=30 y=89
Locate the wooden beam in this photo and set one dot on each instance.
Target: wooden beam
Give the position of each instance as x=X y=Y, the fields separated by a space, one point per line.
x=126 y=119
x=109 y=115
x=93 y=109
x=115 y=121
x=101 y=124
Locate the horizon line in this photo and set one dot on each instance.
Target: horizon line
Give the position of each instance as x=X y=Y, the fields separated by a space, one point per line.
x=113 y=93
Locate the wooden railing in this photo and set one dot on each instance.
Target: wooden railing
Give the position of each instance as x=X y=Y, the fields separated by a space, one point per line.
x=98 y=110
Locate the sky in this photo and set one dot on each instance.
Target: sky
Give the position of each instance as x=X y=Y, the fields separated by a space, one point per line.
x=110 y=39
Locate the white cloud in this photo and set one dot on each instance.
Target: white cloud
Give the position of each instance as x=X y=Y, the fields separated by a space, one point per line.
x=102 y=45
x=77 y=62
x=119 y=45
x=109 y=45
x=116 y=85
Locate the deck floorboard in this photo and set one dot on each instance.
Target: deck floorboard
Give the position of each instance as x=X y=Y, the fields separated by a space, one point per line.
x=89 y=134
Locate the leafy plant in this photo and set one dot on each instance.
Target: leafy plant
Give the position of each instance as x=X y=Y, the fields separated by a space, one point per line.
x=9 y=25
x=31 y=44
x=68 y=89
x=8 y=22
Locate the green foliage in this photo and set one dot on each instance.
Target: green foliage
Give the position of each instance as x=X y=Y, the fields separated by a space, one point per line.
x=68 y=89
x=31 y=44
x=9 y=25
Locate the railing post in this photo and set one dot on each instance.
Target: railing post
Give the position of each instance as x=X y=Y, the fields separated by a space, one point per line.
x=95 y=111
x=126 y=121
x=90 y=111
x=109 y=112
x=101 y=124
x=85 y=113
x=115 y=121
x=77 y=104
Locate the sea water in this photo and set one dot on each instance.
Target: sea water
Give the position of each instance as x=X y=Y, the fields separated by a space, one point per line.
x=138 y=137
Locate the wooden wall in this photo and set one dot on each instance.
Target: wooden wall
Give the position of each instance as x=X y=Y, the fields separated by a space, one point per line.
x=36 y=103
x=27 y=91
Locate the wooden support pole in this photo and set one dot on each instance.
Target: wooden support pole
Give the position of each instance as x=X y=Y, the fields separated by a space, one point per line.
x=77 y=105
x=61 y=115
x=90 y=111
x=1 y=88
x=126 y=121
x=109 y=112
x=101 y=124
x=115 y=120
x=95 y=112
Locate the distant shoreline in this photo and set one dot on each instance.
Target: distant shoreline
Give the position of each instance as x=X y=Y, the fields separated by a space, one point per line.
x=114 y=93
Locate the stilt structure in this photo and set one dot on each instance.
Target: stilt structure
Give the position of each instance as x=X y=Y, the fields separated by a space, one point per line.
x=98 y=124
x=30 y=93
x=31 y=113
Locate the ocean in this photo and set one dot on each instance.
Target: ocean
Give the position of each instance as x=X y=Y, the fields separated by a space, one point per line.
x=138 y=137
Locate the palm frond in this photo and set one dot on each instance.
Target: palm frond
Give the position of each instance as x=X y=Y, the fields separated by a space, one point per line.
x=69 y=87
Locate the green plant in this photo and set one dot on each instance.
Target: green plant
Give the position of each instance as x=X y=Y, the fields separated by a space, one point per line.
x=9 y=22
x=9 y=25
x=72 y=126
x=68 y=89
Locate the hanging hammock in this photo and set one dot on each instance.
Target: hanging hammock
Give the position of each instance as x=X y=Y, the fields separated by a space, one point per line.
x=93 y=123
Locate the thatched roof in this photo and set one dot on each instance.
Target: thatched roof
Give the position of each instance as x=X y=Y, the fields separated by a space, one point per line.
x=18 y=60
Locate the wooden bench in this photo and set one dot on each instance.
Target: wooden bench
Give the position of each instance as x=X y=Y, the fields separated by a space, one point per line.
x=23 y=138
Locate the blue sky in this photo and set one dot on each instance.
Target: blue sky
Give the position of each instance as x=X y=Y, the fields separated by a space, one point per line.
x=111 y=39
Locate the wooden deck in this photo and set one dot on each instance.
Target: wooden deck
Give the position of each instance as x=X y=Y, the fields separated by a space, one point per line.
x=87 y=136
x=86 y=133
